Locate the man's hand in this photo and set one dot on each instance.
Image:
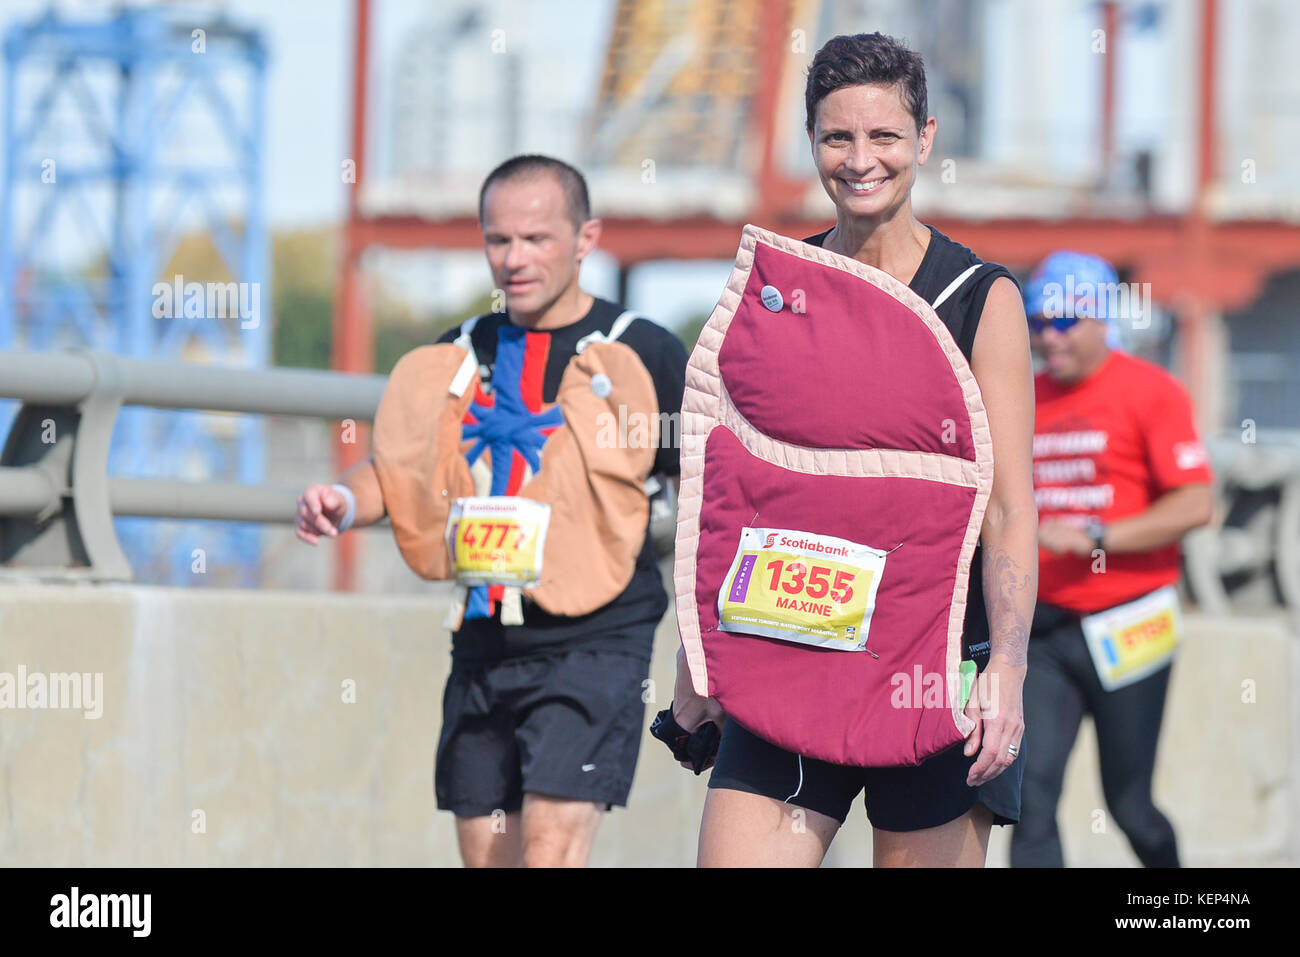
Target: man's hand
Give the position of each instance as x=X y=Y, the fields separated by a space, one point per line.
x=1065 y=539
x=999 y=716
x=320 y=508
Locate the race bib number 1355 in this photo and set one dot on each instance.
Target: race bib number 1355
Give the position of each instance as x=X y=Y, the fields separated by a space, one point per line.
x=796 y=586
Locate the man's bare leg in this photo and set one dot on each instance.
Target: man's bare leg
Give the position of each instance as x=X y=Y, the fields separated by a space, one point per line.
x=960 y=843
x=740 y=829
x=491 y=841
x=558 y=832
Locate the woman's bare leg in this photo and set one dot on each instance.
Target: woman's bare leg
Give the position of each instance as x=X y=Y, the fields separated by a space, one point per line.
x=960 y=843
x=740 y=829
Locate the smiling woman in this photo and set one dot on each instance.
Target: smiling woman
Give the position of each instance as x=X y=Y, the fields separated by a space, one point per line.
x=869 y=132
x=869 y=138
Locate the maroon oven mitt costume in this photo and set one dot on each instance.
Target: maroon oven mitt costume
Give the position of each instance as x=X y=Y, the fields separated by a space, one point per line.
x=826 y=399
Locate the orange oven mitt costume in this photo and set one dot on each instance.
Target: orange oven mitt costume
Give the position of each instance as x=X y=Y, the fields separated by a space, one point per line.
x=515 y=498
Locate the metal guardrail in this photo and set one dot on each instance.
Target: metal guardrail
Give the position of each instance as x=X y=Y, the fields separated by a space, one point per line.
x=1255 y=540
x=57 y=500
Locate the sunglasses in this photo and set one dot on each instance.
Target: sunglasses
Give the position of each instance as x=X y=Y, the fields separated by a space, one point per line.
x=1061 y=324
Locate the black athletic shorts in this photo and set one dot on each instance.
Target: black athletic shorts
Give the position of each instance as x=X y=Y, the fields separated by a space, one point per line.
x=566 y=725
x=897 y=799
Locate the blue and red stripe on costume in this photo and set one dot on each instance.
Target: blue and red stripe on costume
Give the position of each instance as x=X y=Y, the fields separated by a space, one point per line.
x=511 y=426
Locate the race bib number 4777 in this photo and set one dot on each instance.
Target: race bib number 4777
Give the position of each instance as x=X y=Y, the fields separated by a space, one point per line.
x=497 y=539
x=796 y=586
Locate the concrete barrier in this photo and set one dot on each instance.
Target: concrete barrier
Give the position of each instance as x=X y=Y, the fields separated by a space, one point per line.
x=298 y=729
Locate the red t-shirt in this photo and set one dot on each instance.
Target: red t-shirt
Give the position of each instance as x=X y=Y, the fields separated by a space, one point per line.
x=1108 y=447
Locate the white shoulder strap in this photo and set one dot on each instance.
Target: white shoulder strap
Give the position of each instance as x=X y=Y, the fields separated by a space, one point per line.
x=955 y=285
x=467 y=368
x=460 y=382
x=617 y=329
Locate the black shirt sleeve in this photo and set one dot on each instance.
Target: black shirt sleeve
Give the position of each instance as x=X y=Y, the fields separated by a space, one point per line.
x=972 y=298
x=665 y=359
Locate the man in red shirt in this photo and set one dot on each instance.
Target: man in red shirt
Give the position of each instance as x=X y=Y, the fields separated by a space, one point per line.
x=1120 y=476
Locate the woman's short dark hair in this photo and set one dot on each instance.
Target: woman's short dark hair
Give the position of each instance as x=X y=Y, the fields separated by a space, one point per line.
x=521 y=167
x=863 y=59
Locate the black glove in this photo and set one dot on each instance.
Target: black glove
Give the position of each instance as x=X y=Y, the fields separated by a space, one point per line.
x=697 y=748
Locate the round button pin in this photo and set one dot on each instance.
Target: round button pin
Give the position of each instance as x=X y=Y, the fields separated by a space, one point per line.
x=772 y=298
x=601 y=385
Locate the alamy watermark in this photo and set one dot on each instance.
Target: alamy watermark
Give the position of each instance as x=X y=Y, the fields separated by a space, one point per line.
x=209 y=300
x=37 y=690
x=1128 y=301
x=127 y=911
x=638 y=430
x=930 y=689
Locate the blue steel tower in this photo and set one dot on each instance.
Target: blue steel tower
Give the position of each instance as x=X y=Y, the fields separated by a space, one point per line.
x=123 y=136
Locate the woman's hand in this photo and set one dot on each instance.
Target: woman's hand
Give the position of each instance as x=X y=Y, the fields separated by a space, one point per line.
x=997 y=707
x=689 y=709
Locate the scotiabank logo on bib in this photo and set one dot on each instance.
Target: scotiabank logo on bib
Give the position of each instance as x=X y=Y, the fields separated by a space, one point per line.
x=811 y=546
x=770 y=540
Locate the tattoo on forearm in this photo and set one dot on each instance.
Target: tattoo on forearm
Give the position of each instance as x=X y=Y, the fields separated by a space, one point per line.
x=1009 y=597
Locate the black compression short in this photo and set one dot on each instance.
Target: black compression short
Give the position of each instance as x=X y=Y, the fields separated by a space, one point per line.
x=897 y=799
x=566 y=725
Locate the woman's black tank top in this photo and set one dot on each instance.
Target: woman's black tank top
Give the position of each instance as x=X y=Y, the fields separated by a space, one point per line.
x=943 y=262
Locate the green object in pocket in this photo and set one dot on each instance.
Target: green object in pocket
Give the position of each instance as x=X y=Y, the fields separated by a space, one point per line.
x=967 y=672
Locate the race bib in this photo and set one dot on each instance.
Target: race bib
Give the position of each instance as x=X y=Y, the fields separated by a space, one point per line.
x=813 y=589
x=497 y=539
x=1130 y=641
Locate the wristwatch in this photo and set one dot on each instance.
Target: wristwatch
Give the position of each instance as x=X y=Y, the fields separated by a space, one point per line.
x=1096 y=530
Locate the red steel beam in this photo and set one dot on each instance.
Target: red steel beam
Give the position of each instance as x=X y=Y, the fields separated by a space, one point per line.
x=352 y=349
x=1208 y=102
x=1194 y=264
x=1110 y=67
x=1240 y=254
x=1195 y=301
x=776 y=192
